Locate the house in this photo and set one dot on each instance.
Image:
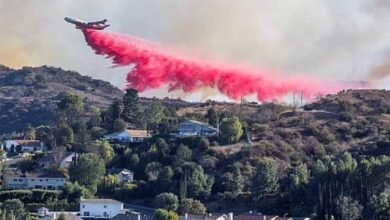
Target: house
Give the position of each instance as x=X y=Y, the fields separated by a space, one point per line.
x=129 y=136
x=43 y=211
x=44 y=214
x=126 y=176
x=191 y=128
x=260 y=216
x=16 y=180
x=210 y=216
x=25 y=145
x=100 y=208
x=68 y=160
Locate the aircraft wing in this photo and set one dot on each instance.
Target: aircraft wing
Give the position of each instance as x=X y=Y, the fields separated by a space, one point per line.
x=97 y=22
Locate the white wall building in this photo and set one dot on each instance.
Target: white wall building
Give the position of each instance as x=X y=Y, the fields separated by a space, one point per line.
x=129 y=136
x=126 y=176
x=34 y=181
x=100 y=208
x=69 y=160
x=190 y=128
x=25 y=145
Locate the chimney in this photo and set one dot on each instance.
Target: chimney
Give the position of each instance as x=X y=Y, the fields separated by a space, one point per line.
x=231 y=216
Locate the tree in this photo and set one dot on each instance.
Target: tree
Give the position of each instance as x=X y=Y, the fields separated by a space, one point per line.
x=183 y=154
x=233 y=182
x=153 y=170
x=82 y=138
x=116 y=109
x=45 y=134
x=61 y=217
x=119 y=125
x=18 y=149
x=131 y=107
x=162 y=214
x=348 y=208
x=192 y=206
x=168 y=201
x=3 y=215
x=299 y=194
x=65 y=135
x=103 y=149
x=133 y=161
x=164 y=179
x=212 y=116
x=88 y=170
x=30 y=132
x=199 y=183
x=69 y=109
x=154 y=115
x=265 y=182
x=96 y=118
x=231 y=130
x=380 y=205
x=74 y=191
x=10 y=215
x=15 y=207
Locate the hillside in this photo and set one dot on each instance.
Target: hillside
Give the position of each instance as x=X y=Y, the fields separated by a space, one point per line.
x=30 y=95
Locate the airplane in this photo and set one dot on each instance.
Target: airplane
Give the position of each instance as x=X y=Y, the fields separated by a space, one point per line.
x=97 y=25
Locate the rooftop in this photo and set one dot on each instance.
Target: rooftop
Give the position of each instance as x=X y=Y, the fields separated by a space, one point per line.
x=35 y=175
x=131 y=133
x=31 y=143
x=101 y=201
x=199 y=123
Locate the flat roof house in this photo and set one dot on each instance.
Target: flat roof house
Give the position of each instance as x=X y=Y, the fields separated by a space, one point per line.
x=100 y=208
x=34 y=180
x=191 y=128
x=25 y=145
x=129 y=136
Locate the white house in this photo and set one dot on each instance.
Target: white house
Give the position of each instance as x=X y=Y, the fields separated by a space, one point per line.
x=25 y=145
x=100 y=208
x=44 y=214
x=190 y=128
x=126 y=176
x=68 y=160
x=34 y=181
x=209 y=216
x=129 y=136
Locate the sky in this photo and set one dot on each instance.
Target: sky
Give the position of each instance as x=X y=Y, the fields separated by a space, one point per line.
x=344 y=40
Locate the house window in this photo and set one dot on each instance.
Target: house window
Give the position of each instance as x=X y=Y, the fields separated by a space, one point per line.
x=83 y=206
x=32 y=180
x=47 y=180
x=105 y=214
x=40 y=180
x=15 y=180
x=105 y=206
x=86 y=213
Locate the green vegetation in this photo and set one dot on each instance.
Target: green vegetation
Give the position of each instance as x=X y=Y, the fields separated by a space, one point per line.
x=329 y=159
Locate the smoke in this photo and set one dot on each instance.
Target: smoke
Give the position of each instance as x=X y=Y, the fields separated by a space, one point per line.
x=343 y=40
x=155 y=67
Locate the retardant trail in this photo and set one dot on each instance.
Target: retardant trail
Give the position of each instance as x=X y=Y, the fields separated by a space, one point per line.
x=156 y=67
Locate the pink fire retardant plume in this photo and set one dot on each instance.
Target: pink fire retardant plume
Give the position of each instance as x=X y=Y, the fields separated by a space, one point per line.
x=155 y=67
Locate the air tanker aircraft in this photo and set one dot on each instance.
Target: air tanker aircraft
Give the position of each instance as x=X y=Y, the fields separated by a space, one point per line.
x=98 y=25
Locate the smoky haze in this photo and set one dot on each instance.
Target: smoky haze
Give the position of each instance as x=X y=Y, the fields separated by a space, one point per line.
x=345 y=40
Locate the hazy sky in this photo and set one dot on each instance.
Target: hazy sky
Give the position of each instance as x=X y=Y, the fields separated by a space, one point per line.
x=345 y=39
